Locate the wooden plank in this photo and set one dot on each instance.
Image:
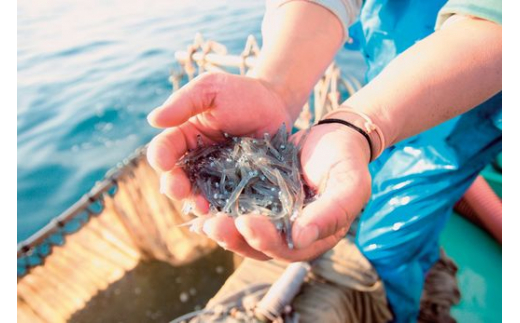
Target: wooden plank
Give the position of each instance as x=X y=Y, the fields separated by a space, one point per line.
x=108 y=235
x=40 y=305
x=25 y=314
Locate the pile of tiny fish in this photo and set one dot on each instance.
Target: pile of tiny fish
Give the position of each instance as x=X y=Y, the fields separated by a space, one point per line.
x=244 y=175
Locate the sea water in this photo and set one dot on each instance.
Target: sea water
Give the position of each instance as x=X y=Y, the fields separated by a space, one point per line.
x=88 y=74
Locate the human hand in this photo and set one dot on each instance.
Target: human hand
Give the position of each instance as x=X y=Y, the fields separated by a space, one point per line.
x=210 y=105
x=334 y=161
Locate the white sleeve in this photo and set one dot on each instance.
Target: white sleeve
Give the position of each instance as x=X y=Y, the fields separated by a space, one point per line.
x=346 y=11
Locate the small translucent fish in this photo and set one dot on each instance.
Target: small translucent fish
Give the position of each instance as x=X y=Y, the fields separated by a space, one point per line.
x=244 y=175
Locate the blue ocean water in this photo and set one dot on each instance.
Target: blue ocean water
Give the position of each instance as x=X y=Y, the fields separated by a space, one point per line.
x=88 y=74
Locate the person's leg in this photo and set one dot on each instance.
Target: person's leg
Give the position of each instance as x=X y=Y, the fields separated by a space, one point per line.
x=415 y=185
x=343 y=287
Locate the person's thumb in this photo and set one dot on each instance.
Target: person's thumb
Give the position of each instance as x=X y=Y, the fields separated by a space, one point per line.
x=345 y=194
x=195 y=97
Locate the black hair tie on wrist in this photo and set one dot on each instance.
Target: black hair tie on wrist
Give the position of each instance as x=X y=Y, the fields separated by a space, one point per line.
x=350 y=125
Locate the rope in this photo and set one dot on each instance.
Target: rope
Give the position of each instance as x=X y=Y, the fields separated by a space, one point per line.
x=191 y=315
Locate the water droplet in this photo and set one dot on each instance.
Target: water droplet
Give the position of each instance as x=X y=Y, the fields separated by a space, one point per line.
x=372 y=246
x=184 y=297
x=397 y=226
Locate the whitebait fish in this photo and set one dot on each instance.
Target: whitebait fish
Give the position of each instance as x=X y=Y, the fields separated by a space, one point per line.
x=244 y=175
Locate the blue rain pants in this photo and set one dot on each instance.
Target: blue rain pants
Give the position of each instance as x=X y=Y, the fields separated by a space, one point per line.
x=417 y=181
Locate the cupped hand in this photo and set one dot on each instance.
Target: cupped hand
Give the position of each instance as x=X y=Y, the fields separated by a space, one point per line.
x=334 y=160
x=207 y=107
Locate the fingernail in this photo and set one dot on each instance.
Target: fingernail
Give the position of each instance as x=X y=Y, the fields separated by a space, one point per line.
x=162 y=185
x=198 y=226
x=207 y=230
x=242 y=227
x=223 y=245
x=305 y=236
x=151 y=117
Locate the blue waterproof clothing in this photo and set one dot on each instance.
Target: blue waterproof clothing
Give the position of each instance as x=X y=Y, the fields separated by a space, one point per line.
x=417 y=181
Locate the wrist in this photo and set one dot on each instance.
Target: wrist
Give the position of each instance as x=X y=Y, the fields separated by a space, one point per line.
x=361 y=123
x=349 y=139
x=377 y=110
x=300 y=39
x=292 y=99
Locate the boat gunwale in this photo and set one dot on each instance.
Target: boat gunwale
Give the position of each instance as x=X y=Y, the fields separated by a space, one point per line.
x=109 y=181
